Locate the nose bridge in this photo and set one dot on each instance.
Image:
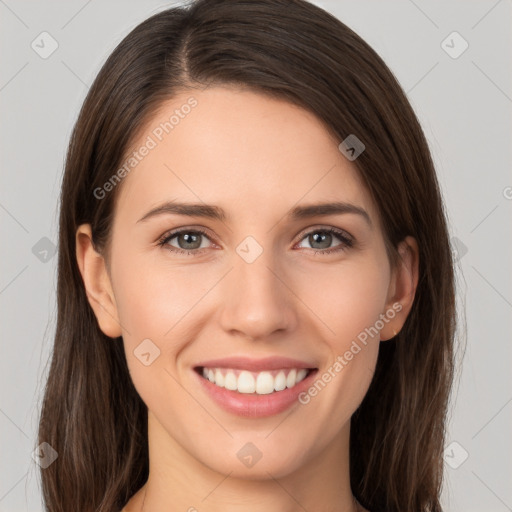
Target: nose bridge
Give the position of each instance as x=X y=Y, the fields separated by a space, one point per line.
x=258 y=303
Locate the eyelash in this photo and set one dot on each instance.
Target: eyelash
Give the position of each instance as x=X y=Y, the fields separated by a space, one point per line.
x=347 y=243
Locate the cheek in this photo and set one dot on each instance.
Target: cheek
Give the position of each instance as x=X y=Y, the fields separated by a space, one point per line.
x=153 y=307
x=347 y=297
x=348 y=303
x=153 y=297
x=159 y=306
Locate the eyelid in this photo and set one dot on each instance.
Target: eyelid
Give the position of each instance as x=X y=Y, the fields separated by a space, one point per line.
x=194 y=229
x=319 y=227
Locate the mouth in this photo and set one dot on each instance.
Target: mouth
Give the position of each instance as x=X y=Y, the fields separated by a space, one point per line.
x=255 y=388
x=254 y=394
x=245 y=382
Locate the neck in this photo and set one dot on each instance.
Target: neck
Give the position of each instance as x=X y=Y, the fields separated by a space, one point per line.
x=178 y=481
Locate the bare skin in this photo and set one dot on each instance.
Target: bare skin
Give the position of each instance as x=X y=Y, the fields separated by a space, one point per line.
x=257 y=158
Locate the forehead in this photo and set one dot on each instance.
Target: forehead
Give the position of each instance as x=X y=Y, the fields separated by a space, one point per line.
x=248 y=153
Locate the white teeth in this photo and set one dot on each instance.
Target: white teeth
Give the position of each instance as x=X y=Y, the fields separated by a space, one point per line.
x=230 y=382
x=290 y=380
x=301 y=374
x=219 y=378
x=280 y=381
x=264 y=383
x=261 y=383
x=246 y=383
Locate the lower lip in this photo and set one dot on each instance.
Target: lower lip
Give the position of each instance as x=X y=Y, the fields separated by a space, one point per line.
x=255 y=406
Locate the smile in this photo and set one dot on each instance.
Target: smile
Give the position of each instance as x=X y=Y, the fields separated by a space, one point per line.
x=254 y=394
x=260 y=383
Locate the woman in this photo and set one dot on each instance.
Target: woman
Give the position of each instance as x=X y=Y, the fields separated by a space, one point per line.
x=209 y=355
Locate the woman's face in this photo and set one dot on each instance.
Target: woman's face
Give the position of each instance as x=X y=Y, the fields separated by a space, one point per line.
x=252 y=286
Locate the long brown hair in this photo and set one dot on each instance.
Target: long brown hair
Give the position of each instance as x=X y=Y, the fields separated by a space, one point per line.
x=290 y=49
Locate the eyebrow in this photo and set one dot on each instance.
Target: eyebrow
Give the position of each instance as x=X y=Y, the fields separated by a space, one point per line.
x=217 y=213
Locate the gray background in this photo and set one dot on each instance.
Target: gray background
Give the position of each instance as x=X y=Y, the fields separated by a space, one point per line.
x=464 y=105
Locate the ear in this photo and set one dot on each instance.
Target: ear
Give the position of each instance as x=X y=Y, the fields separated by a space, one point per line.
x=402 y=288
x=97 y=283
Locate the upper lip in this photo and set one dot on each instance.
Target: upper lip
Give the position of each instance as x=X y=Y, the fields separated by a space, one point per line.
x=256 y=365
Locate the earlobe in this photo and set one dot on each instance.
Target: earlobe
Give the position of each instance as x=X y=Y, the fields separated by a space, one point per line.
x=97 y=283
x=404 y=284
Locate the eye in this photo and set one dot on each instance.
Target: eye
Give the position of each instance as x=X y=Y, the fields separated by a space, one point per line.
x=190 y=243
x=190 y=239
x=324 y=237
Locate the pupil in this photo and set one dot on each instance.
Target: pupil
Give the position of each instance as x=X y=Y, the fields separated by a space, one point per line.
x=190 y=239
x=323 y=236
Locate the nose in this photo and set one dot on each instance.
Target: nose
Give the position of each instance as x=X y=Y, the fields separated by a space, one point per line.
x=258 y=299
